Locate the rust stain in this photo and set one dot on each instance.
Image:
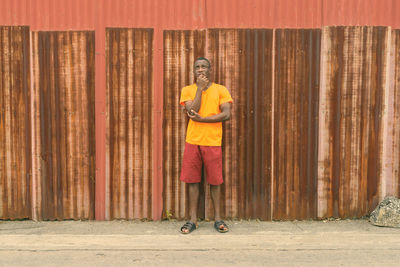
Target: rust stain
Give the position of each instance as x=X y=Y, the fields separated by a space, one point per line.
x=354 y=75
x=243 y=63
x=129 y=107
x=391 y=137
x=63 y=92
x=296 y=91
x=394 y=187
x=15 y=138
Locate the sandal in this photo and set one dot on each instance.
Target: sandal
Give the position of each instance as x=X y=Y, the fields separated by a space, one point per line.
x=189 y=226
x=218 y=224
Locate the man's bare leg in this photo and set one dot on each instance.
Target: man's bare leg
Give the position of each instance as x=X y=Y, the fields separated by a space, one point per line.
x=194 y=193
x=216 y=198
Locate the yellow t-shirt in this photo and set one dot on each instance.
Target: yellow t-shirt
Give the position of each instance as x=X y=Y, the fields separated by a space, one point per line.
x=204 y=133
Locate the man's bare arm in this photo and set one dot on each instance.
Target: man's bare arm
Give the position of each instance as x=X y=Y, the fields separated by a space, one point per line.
x=223 y=116
x=195 y=103
x=202 y=83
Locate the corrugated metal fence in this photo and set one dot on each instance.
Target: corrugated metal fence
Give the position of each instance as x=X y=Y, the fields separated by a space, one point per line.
x=91 y=127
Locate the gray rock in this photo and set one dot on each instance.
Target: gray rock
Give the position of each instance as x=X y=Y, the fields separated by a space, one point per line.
x=387 y=213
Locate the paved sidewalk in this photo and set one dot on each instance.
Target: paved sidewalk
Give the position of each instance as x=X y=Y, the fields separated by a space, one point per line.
x=249 y=243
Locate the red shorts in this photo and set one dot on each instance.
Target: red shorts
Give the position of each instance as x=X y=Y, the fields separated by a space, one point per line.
x=193 y=158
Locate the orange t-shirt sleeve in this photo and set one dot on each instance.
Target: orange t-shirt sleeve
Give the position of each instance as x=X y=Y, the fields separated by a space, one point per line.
x=224 y=96
x=185 y=96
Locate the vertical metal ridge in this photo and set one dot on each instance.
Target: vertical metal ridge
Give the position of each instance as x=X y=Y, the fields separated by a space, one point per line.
x=130 y=129
x=36 y=170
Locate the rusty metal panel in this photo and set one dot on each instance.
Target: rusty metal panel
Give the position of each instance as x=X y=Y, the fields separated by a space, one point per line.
x=242 y=61
x=352 y=105
x=129 y=107
x=64 y=144
x=390 y=162
x=395 y=47
x=181 y=48
x=296 y=92
x=393 y=184
x=15 y=119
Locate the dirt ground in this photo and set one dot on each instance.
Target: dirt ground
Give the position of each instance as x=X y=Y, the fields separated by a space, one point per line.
x=251 y=243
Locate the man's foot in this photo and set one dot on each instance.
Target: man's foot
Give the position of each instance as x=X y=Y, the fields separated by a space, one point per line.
x=221 y=226
x=188 y=227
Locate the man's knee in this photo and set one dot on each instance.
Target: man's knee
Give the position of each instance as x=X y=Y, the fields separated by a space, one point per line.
x=194 y=186
x=215 y=187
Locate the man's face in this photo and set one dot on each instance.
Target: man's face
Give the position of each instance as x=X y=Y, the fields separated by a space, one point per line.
x=202 y=67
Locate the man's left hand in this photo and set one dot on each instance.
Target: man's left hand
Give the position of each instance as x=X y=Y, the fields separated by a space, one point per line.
x=195 y=116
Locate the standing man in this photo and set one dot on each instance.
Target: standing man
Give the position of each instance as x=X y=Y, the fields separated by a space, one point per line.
x=207 y=104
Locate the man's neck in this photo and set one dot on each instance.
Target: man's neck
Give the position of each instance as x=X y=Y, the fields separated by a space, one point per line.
x=208 y=86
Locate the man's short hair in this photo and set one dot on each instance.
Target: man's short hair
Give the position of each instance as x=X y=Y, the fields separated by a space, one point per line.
x=203 y=58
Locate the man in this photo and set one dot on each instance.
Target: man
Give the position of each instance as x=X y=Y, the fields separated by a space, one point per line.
x=207 y=104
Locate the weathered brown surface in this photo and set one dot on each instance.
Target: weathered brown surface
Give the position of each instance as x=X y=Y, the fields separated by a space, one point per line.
x=352 y=97
x=394 y=185
x=64 y=144
x=15 y=119
x=296 y=91
x=391 y=120
x=242 y=61
x=129 y=107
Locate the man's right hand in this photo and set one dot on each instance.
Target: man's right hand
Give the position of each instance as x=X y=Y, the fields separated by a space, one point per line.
x=202 y=82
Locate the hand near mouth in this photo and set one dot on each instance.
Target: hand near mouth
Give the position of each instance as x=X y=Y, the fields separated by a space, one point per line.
x=202 y=82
